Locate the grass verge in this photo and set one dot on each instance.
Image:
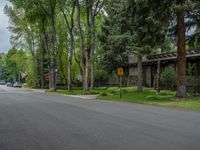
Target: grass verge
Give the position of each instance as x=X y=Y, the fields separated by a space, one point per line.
x=80 y=92
x=148 y=96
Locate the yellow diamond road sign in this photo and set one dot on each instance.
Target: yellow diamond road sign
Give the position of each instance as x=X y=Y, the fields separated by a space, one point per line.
x=120 y=71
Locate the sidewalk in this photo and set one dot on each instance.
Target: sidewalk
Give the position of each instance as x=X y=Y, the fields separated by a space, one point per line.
x=34 y=90
x=84 y=96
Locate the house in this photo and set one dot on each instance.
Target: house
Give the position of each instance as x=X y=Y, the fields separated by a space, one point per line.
x=150 y=66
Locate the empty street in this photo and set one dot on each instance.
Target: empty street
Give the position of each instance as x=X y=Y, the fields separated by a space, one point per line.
x=34 y=120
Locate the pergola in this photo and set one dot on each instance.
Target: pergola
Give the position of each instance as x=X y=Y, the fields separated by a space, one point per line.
x=169 y=57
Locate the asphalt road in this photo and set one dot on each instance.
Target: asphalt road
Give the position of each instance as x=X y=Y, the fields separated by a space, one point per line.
x=31 y=120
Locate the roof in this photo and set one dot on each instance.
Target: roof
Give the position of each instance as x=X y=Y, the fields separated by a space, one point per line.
x=169 y=57
x=189 y=53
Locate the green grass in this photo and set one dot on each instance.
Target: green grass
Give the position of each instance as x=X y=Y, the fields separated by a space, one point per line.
x=148 y=96
x=188 y=103
x=80 y=92
x=166 y=98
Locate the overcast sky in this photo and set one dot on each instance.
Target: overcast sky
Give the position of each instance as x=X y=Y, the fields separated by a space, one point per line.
x=4 y=33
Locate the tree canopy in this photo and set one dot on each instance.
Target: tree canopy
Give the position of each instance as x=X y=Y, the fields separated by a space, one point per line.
x=72 y=41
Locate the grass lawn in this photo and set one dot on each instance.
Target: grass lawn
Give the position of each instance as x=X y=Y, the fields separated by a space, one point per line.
x=80 y=91
x=148 y=96
x=166 y=98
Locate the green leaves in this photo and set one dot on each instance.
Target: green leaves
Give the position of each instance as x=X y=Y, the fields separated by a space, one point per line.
x=130 y=27
x=16 y=61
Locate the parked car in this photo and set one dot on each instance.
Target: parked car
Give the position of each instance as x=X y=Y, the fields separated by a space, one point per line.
x=9 y=84
x=17 y=84
x=2 y=82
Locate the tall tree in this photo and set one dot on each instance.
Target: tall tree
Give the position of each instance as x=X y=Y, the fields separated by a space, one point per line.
x=134 y=28
x=23 y=33
x=93 y=8
x=181 y=51
x=68 y=9
x=183 y=7
x=88 y=10
x=34 y=11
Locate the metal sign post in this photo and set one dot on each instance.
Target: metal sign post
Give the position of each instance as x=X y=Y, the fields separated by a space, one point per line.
x=120 y=73
x=120 y=86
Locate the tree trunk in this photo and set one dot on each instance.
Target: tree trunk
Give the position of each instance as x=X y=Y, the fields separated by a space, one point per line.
x=95 y=9
x=91 y=72
x=46 y=52
x=35 y=73
x=140 y=75
x=69 y=81
x=83 y=51
x=92 y=52
x=52 y=75
x=42 y=68
x=181 y=56
x=43 y=34
x=70 y=61
x=86 y=67
x=70 y=27
x=53 y=49
x=35 y=63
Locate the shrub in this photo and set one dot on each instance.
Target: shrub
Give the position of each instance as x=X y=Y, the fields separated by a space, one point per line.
x=168 y=77
x=101 y=77
x=193 y=81
x=94 y=92
x=91 y=92
x=25 y=85
x=124 y=90
x=104 y=94
x=102 y=88
x=114 y=89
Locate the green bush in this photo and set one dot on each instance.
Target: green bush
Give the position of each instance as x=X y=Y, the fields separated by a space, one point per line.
x=101 y=76
x=25 y=85
x=91 y=92
x=94 y=92
x=124 y=90
x=192 y=80
x=168 y=77
x=104 y=94
x=114 y=89
x=101 y=88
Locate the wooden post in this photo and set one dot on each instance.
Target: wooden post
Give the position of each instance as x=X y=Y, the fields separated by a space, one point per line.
x=158 y=78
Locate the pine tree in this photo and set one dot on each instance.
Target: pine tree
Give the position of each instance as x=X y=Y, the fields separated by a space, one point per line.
x=131 y=27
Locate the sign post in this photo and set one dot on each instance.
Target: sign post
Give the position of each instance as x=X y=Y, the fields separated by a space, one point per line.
x=120 y=73
x=120 y=87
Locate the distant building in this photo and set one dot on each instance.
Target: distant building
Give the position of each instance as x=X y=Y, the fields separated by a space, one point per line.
x=23 y=77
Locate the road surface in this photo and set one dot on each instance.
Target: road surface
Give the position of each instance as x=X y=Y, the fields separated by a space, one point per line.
x=32 y=120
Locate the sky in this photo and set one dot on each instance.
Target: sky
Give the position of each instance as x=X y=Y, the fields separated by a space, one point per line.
x=4 y=33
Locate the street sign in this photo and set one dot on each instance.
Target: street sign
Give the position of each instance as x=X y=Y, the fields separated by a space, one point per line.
x=120 y=71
